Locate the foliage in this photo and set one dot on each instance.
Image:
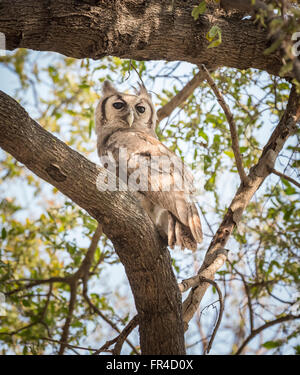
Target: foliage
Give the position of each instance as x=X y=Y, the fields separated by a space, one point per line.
x=44 y=236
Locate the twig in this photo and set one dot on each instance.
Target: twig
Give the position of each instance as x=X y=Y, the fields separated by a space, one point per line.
x=108 y=321
x=264 y=326
x=214 y=259
x=124 y=334
x=232 y=126
x=119 y=340
x=196 y=281
x=181 y=97
x=67 y=344
x=134 y=68
x=104 y=347
x=282 y=175
x=66 y=327
x=82 y=272
x=38 y=282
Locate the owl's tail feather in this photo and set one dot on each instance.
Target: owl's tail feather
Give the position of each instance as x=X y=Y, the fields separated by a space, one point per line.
x=180 y=235
x=195 y=223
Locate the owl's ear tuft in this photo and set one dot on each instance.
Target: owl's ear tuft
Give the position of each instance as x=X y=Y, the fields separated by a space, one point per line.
x=143 y=91
x=108 y=89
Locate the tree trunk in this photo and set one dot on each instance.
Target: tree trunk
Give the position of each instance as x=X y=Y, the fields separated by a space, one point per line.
x=145 y=257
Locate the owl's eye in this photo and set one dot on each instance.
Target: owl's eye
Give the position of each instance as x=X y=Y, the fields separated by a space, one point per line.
x=118 y=105
x=140 y=108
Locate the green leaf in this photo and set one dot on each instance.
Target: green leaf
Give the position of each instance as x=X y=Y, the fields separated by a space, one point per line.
x=84 y=86
x=200 y=9
x=91 y=126
x=271 y=344
x=229 y=153
x=3 y=233
x=202 y=134
x=214 y=36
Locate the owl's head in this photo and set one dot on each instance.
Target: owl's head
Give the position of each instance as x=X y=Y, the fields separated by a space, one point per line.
x=134 y=111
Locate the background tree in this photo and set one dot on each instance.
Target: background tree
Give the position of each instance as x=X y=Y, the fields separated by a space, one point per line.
x=236 y=127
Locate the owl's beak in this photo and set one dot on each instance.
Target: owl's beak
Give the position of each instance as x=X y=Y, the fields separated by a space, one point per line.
x=130 y=118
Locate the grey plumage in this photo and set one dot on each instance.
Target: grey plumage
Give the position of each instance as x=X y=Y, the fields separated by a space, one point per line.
x=126 y=121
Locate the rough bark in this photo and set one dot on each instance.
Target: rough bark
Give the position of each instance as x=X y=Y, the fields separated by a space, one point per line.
x=137 y=29
x=145 y=257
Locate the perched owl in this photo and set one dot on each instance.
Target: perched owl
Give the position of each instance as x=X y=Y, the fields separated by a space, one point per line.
x=125 y=127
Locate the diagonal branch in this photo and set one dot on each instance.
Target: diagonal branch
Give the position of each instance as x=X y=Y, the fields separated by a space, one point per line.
x=282 y=175
x=215 y=257
x=232 y=126
x=181 y=97
x=263 y=327
x=124 y=334
x=136 y=241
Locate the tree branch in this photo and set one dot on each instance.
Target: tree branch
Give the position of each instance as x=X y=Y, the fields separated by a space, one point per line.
x=247 y=6
x=134 y=29
x=215 y=257
x=137 y=242
x=181 y=97
x=232 y=126
x=196 y=281
x=66 y=327
x=282 y=175
x=124 y=334
x=263 y=327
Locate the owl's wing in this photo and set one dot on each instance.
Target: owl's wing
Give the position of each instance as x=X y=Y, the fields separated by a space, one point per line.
x=157 y=173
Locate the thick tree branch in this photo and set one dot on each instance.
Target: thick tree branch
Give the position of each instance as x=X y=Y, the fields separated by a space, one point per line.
x=134 y=29
x=247 y=6
x=140 y=248
x=215 y=257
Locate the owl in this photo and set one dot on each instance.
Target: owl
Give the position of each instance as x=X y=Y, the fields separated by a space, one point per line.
x=125 y=128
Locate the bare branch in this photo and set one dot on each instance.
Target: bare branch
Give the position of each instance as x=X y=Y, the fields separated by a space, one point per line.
x=207 y=350
x=99 y=31
x=181 y=97
x=119 y=340
x=196 y=281
x=263 y=327
x=257 y=175
x=67 y=344
x=38 y=282
x=232 y=126
x=66 y=327
x=282 y=175
x=124 y=334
